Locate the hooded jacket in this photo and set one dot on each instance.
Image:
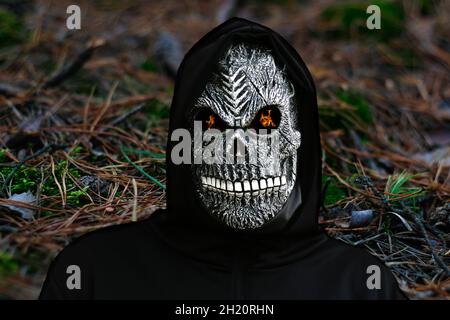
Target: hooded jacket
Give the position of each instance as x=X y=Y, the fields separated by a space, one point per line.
x=184 y=253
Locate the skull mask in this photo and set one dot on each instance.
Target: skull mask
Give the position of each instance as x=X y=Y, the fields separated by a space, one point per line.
x=249 y=91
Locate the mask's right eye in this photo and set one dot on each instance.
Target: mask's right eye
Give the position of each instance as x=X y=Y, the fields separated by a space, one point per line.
x=268 y=118
x=210 y=120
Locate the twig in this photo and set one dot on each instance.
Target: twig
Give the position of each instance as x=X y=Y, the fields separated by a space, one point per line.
x=127 y=114
x=105 y=107
x=74 y=66
x=9 y=90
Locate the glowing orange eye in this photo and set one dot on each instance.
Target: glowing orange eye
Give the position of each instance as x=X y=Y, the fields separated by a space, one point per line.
x=266 y=119
x=269 y=117
x=212 y=120
x=209 y=120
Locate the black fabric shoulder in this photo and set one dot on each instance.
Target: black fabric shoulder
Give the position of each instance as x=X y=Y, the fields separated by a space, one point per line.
x=357 y=270
x=84 y=256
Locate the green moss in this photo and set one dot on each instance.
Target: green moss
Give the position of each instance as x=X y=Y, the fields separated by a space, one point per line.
x=7 y=264
x=149 y=65
x=25 y=178
x=28 y=178
x=334 y=192
x=50 y=188
x=156 y=110
x=356 y=100
x=77 y=150
x=169 y=90
x=349 y=19
x=403 y=56
x=426 y=7
x=12 y=30
x=3 y=157
x=359 y=116
x=77 y=197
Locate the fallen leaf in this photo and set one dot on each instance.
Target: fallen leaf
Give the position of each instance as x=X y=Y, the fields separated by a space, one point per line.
x=25 y=197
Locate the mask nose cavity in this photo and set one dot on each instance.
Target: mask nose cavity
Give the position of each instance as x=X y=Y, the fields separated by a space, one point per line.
x=239 y=145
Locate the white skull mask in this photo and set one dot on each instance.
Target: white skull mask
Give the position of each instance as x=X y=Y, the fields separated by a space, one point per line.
x=248 y=92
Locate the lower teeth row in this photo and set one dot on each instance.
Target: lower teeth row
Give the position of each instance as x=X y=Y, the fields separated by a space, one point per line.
x=254 y=186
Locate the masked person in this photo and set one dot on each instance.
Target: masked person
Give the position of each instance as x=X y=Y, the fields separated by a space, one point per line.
x=231 y=230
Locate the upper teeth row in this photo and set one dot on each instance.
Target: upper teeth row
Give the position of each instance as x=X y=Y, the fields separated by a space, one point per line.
x=246 y=185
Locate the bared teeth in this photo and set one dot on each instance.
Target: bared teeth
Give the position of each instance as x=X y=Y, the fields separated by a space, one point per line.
x=276 y=181
x=238 y=188
x=230 y=186
x=263 y=184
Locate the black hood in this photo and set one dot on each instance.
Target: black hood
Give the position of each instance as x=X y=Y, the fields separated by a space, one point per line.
x=185 y=214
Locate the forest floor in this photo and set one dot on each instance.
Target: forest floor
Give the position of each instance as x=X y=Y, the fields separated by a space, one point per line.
x=84 y=116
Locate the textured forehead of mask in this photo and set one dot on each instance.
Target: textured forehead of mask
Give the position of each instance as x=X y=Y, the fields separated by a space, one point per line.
x=247 y=79
x=248 y=195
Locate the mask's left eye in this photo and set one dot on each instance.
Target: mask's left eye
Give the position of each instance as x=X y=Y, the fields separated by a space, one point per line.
x=268 y=117
x=210 y=120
